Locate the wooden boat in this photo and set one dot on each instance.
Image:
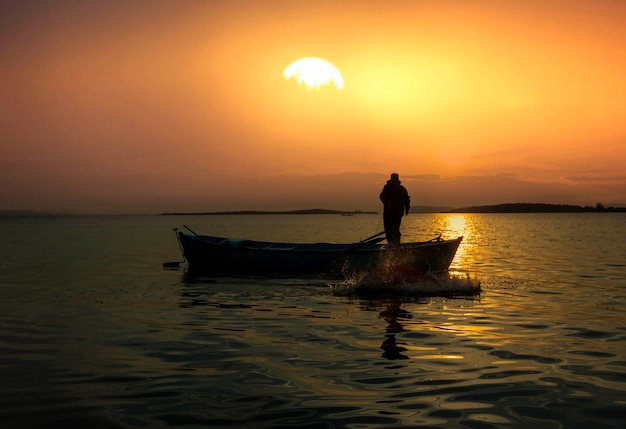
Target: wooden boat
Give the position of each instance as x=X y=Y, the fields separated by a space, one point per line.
x=228 y=256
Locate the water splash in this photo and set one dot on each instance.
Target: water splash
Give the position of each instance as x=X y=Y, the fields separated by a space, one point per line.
x=405 y=281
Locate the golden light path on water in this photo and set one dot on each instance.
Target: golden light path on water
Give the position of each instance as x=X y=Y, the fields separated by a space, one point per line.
x=420 y=228
x=457 y=226
x=469 y=258
x=481 y=251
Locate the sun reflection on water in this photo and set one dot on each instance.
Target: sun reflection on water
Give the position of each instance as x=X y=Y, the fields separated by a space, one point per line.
x=455 y=225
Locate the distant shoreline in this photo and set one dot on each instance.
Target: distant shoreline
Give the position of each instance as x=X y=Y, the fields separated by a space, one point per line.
x=498 y=208
x=263 y=212
x=539 y=208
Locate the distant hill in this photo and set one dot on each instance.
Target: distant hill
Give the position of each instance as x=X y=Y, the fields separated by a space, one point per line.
x=429 y=209
x=537 y=208
x=415 y=209
x=24 y=213
x=260 y=212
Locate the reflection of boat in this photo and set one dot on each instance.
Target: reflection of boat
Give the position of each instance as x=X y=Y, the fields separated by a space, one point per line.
x=217 y=255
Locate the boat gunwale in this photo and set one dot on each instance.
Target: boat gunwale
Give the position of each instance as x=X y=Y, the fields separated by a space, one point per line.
x=305 y=248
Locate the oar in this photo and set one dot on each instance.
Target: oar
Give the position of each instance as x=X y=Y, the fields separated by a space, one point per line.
x=369 y=238
x=338 y=256
x=366 y=241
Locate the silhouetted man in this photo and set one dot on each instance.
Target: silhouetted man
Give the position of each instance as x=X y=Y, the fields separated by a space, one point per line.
x=396 y=203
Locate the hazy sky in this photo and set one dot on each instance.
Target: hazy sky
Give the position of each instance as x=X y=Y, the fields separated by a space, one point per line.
x=151 y=106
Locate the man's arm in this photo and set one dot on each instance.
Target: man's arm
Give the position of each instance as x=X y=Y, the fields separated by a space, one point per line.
x=407 y=203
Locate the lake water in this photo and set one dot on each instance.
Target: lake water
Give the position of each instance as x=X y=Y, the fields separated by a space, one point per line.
x=95 y=333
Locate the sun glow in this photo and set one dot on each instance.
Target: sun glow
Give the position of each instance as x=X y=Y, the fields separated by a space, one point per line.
x=314 y=73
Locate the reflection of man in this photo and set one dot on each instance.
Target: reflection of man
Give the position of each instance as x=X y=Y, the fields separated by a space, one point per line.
x=396 y=203
x=391 y=349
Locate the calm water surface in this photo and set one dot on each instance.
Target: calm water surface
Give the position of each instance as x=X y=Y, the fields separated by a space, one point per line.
x=94 y=333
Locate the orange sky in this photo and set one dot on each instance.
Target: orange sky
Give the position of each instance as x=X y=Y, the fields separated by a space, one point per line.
x=146 y=107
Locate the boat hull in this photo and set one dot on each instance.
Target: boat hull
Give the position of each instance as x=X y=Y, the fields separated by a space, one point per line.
x=223 y=256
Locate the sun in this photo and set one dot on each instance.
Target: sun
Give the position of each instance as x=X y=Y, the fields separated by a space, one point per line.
x=314 y=73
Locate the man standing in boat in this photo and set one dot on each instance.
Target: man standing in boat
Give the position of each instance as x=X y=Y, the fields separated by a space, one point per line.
x=396 y=203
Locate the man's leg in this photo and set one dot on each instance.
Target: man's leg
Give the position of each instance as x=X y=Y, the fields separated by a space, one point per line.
x=388 y=224
x=395 y=228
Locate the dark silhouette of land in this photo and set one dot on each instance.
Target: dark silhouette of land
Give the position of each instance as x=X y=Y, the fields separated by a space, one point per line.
x=538 y=208
x=415 y=209
x=291 y=212
x=497 y=208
